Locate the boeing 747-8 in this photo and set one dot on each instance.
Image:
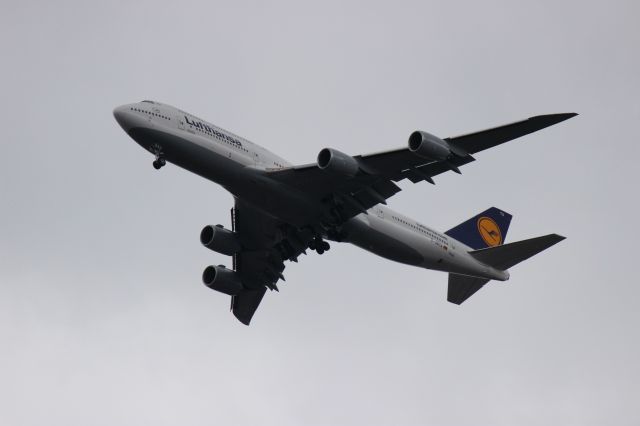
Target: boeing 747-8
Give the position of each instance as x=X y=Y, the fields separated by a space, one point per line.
x=282 y=210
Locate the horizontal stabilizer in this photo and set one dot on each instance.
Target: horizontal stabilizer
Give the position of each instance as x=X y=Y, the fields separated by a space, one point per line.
x=505 y=256
x=462 y=287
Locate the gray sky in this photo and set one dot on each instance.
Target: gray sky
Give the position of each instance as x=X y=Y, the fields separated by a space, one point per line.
x=104 y=320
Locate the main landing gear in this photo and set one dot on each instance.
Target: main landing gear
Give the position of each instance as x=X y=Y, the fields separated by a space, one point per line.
x=319 y=245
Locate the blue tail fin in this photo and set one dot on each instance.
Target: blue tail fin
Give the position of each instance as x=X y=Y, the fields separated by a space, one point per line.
x=488 y=229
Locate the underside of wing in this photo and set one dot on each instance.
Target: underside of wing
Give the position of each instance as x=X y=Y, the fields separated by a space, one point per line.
x=485 y=139
x=357 y=183
x=267 y=244
x=245 y=304
x=402 y=164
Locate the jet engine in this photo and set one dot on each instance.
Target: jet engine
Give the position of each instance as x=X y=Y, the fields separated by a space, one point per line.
x=219 y=239
x=336 y=162
x=428 y=146
x=221 y=279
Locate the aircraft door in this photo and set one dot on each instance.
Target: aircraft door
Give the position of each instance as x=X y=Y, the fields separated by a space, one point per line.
x=153 y=117
x=180 y=121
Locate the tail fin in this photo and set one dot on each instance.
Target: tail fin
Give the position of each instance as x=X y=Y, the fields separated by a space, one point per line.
x=487 y=229
x=508 y=255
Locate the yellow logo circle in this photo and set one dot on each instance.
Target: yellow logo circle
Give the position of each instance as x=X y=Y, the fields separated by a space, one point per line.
x=489 y=231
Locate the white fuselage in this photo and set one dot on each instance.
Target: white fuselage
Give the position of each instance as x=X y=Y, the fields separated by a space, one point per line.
x=241 y=167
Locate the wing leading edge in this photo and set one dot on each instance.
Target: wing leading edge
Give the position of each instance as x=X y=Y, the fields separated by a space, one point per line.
x=401 y=163
x=375 y=182
x=267 y=244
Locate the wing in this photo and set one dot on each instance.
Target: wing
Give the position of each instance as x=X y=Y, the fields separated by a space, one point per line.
x=245 y=304
x=267 y=243
x=375 y=182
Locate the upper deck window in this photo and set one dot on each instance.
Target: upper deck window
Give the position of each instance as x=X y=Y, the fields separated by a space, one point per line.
x=149 y=102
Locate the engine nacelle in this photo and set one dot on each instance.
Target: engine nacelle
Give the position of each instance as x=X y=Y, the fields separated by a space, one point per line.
x=219 y=239
x=222 y=279
x=336 y=162
x=428 y=146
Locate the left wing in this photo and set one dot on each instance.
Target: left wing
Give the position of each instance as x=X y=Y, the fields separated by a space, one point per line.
x=266 y=244
x=377 y=173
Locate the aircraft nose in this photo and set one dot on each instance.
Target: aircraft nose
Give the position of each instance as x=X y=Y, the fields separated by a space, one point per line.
x=123 y=116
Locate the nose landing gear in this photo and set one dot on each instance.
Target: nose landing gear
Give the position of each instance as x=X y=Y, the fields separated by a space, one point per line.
x=159 y=163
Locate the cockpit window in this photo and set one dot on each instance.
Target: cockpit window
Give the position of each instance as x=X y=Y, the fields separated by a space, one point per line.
x=149 y=102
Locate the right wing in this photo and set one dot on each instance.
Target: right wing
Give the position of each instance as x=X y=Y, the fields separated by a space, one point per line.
x=245 y=304
x=267 y=244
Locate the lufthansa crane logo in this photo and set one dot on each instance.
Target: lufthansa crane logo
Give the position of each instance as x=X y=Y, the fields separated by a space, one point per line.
x=489 y=231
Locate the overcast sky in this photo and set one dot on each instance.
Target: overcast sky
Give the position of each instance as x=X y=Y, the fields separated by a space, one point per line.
x=103 y=316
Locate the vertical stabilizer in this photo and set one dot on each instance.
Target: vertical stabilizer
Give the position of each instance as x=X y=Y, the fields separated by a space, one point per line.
x=487 y=229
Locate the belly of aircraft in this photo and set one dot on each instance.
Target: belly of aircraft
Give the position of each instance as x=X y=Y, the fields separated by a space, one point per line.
x=359 y=232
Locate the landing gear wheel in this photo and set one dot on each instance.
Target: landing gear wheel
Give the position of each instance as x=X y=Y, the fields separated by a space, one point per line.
x=159 y=163
x=319 y=245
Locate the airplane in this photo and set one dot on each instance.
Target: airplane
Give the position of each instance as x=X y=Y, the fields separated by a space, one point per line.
x=282 y=210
